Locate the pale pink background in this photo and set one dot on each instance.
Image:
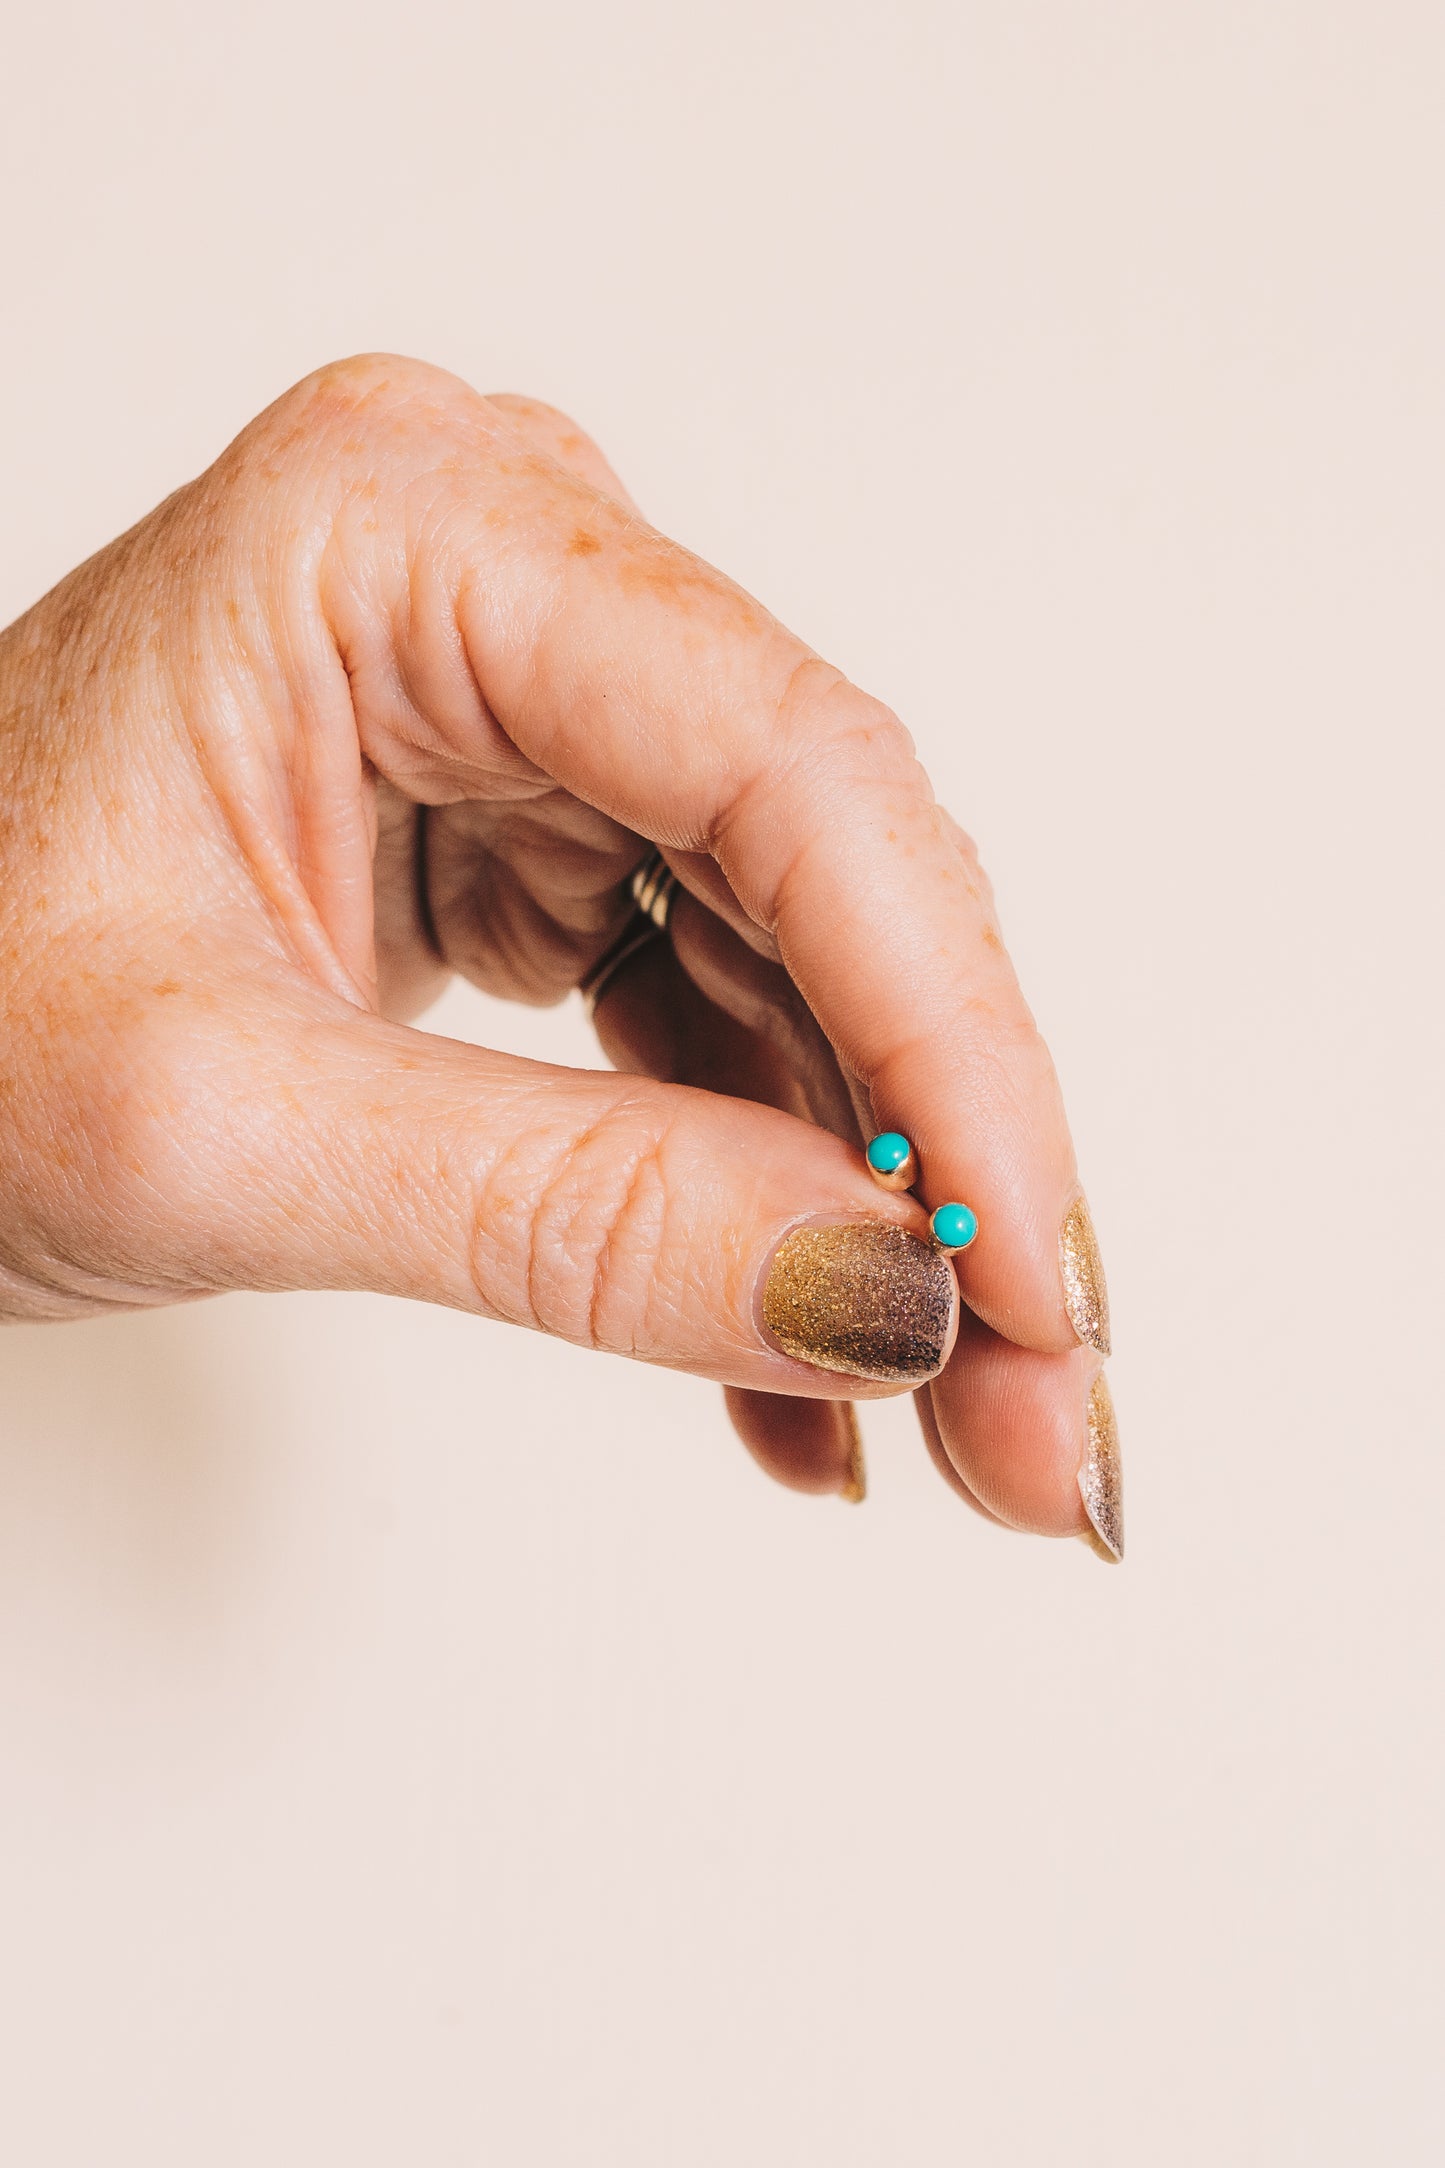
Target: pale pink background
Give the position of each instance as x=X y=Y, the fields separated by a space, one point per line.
x=422 y=1744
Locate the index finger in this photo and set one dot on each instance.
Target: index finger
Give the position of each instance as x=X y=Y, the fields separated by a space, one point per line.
x=542 y=630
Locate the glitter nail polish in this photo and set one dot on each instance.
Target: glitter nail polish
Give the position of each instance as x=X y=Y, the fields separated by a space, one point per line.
x=1086 y=1297
x=1101 y=1477
x=868 y=1299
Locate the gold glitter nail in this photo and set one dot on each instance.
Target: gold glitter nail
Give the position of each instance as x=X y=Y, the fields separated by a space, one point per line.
x=869 y=1300
x=1101 y=1478
x=1086 y=1297
x=855 y=1490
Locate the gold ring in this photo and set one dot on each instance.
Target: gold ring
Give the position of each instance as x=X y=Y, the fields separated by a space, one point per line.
x=639 y=933
x=653 y=886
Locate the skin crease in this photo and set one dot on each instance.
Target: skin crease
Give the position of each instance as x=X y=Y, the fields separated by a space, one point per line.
x=404 y=685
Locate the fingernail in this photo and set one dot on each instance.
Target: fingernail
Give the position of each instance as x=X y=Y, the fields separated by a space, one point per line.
x=1101 y=1476
x=869 y=1300
x=855 y=1490
x=1086 y=1297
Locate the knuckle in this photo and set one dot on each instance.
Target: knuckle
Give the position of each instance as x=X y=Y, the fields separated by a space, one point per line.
x=586 y=1254
x=521 y=408
x=828 y=748
x=819 y=711
x=823 y=741
x=365 y=392
x=345 y=423
x=558 y=436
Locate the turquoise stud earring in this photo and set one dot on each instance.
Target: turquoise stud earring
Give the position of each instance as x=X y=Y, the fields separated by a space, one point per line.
x=892 y=1161
x=893 y=1164
x=953 y=1227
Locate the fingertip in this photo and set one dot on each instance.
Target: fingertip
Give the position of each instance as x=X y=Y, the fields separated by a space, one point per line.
x=1015 y=1424
x=812 y=1446
x=938 y=1454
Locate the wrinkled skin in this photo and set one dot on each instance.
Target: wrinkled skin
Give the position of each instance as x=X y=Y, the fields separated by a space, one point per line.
x=404 y=685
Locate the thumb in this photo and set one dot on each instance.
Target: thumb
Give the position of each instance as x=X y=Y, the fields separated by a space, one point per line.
x=647 y=1219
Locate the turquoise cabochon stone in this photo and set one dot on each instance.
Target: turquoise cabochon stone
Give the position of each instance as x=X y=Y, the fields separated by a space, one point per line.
x=887 y=1152
x=954 y=1226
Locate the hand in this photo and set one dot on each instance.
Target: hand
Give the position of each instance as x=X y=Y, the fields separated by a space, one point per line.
x=402 y=686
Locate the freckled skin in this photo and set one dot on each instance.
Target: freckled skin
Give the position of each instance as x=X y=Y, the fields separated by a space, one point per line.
x=404 y=685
